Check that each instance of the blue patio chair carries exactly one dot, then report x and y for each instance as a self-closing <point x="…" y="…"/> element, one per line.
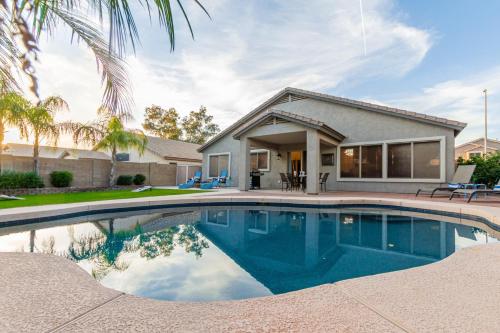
<point x="190" y="183"/>
<point x="223" y="176"/>
<point x="210" y="185"/>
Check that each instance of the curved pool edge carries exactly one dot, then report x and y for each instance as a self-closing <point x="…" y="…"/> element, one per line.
<point x="454" y="294"/>
<point x="489" y="216"/>
<point x="458" y="293"/>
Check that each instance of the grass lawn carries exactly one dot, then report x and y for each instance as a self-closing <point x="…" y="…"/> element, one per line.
<point x="61" y="198"/>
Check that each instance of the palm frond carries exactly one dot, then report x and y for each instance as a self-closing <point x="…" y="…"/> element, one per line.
<point x="117" y="94"/>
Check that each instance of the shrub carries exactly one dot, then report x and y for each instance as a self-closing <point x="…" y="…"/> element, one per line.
<point x="487" y="168"/>
<point x="139" y="179"/>
<point x="61" y="178"/>
<point x="13" y="179"/>
<point x="124" y="180"/>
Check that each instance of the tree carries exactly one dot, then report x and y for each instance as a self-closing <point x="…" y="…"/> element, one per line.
<point x="487" y="168"/>
<point x="12" y="107"/>
<point x="23" y="23"/>
<point x="107" y="133"/>
<point x="198" y="126"/>
<point x="40" y="121"/>
<point x="162" y="122"/>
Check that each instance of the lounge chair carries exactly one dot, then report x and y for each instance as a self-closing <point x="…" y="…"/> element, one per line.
<point x="462" y="177"/>
<point x="190" y="183"/>
<point x="222" y="179"/>
<point x="474" y="192"/>
<point x="210" y="185"/>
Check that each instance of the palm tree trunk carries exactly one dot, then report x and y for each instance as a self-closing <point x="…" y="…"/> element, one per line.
<point x="2" y="137"/>
<point x="113" y="168"/>
<point x="36" y="155"/>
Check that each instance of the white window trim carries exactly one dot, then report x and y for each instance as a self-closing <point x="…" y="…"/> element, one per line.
<point x="207" y="174"/>
<point x="258" y="231"/>
<point x="268" y="157"/>
<point x="218" y="224"/>
<point x="385" y="143"/>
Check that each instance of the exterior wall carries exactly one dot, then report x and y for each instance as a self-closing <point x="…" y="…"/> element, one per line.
<point x="358" y="126"/>
<point x="92" y="172"/>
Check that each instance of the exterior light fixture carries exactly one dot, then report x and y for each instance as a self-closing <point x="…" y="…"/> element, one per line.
<point x="278" y="156"/>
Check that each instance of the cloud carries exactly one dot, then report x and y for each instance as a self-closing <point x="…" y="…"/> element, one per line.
<point x="462" y="100"/>
<point x="250" y="50"/>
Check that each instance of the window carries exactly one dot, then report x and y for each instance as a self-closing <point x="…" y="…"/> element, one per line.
<point x="259" y="222"/>
<point x="418" y="160"/>
<point x="349" y="162"/>
<point x="371" y="161"/>
<point x="217" y="163"/>
<point x="474" y="154"/>
<point x="426" y="160"/>
<point x="218" y="217"/>
<point x="399" y="160"/>
<point x="327" y="159"/>
<point x="123" y="157"/>
<point x="259" y="160"/>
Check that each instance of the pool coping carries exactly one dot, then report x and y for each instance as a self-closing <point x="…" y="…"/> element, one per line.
<point x="368" y="312"/>
<point x="487" y="215"/>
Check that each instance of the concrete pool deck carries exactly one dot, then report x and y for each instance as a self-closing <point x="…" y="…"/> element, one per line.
<point x="460" y="293"/>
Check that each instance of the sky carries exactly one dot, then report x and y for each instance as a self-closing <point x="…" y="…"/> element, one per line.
<point x="433" y="57"/>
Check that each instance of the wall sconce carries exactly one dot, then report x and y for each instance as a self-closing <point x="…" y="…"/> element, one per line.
<point x="278" y="156"/>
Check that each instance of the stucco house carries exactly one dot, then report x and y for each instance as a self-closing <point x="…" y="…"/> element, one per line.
<point x="364" y="147"/>
<point x="476" y="148"/>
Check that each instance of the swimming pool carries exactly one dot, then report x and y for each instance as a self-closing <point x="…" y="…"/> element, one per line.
<point x="226" y="252"/>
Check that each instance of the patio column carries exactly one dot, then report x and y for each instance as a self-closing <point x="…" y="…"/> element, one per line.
<point x="244" y="165"/>
<point x="313" y="161"/>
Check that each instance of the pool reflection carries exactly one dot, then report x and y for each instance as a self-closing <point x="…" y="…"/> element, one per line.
<point x="229" y="253"/>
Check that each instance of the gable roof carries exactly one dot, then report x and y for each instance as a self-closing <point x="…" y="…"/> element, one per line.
<point x="26" y="150"/>
<point x="173" y="149"/>
<point x="292" y="94"/>
<point x="294" y="118"/>
<point x="479" y="142"/>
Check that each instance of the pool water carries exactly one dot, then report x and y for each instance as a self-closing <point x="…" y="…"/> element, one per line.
<point x="221" y="253"/>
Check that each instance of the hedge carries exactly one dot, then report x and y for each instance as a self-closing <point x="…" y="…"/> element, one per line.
<point x="13" y="179"/>
<point x="61" y="178"/>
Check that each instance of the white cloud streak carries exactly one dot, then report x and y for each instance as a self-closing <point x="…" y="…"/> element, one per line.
<point x="249" y="51"/>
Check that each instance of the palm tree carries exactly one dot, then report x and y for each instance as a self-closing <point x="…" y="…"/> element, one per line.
<point x="12" y="108"/>
<point x="41" y="124"/>
<point x="109" y="134"/>
<point x="23" y="22"/>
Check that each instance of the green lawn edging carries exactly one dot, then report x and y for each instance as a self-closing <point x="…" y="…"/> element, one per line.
<point x="75" y="197"/>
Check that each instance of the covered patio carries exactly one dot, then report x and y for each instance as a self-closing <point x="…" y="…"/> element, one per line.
<point x="294" y="145"/>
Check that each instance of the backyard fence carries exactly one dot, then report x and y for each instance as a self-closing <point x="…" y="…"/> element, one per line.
<point x="92" y="172"/>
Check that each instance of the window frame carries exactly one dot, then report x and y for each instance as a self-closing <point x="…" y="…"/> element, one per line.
<point x="385" y="143"/>
<point x="225" y="225"/>
<point x="207" y="175"/>
<point x="257" y="151"/>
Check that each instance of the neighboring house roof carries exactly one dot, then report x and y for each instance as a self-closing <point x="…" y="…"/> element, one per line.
<point x="308" y="122"/>
<point x="174" y="150"/>
<point x="479" y="143"/>
<point x="26" y="150"/>
<point x="292" y="94"/>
